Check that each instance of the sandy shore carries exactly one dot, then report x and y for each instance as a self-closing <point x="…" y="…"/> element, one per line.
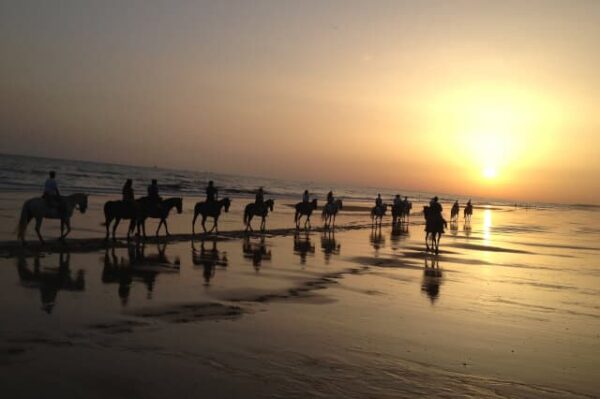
<point x="508" y="309"/>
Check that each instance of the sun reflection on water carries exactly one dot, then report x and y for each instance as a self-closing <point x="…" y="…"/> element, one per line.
<point x="487" y="226"/>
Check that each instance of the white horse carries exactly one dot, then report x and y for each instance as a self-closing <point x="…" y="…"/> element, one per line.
<point x="38" y="209"/>
<point x="329" y="213"/>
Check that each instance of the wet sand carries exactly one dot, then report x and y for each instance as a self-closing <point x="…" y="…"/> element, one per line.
<point x="509" y="308"/>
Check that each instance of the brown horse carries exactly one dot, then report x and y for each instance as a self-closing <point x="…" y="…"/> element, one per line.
<point x="253" y="209"/>
<point x="377" y="214"/>
<point x="212" y="209"/>
<point x="434" y="228"/>
<point x="329" y="213"/>
<point x="156" y="210"/>
<point x="304" y="209"/>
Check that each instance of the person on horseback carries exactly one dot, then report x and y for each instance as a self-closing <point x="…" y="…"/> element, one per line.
<point x="330" y="197"/>
<point x="51" y="193"/>
<point x="260" y="197"/>
<point x="128" y="191"/>
<point x="153" y="191"/>
<point x="305" y="197"/>
<point x="378" y="201"/>
<point x="397" y="201"/>
<point x="211" y="192"/>
<point x="435" y="206"/>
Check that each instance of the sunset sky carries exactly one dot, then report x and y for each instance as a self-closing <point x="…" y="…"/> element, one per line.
<point x="487" y="98"/>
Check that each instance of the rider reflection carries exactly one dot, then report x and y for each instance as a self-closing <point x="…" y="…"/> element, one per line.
<point x="50" y="281"/>
<point x="209" y="259"/>
<point x="432" y="278"/>
<point x="256" y="251"/>
<point x="303" y="246"/>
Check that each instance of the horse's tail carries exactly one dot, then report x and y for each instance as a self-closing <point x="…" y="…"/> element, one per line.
<point x="23" y="221"/>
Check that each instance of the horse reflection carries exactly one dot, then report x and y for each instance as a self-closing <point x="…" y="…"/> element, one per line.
<point x="209" y="259"/>
<point x="377" y="239"/>
<point x="137" y="266"/>
<point x="399" y="232"/>
<point x="432" y="279"/>
<point x="256" y="251"/>
<point x="303" y="246"/>
<point x="50" y="280"/>
<point x="467" y="229"/>
<point x="329" y="245"/>
<point x="454" y="228"/>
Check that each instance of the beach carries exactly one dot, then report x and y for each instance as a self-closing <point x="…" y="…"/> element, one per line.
<point x="509" y="308"/>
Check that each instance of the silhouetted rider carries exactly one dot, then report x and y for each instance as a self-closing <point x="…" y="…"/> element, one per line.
<point x="305" y="196"/>
<point x="51" y="193"/>
<point x="378" y="201"/>
<point x="153" y="192"/>
<point x="435" y="207"/>
<point x="211" y="192"/>
<point x="397" y="200"/>
<point x="260" y="197"/>
<point x="128" y="191"/>
<point x="330" y="197"/>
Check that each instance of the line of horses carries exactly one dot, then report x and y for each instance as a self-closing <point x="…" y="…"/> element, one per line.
<point x="141" y="209"/>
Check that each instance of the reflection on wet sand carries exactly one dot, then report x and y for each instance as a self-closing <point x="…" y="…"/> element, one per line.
<point x="467" y="229"/>
<point x="376" y="238"/>
<point x="50" y="280"/>
<point x="432" y="278"/>
<point x="303" y="246"/>
<point x="329" y="245"/>
<point x="137" y="266"/>
<point x="453" y="228"/>
<point x="256" y="251"/>
<point x="209" y="259"/>
<point x="399" y="232"/>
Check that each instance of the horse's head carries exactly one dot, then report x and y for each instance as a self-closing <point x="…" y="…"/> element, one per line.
<point x="314" y="203"/>
<point x="179" y="204"/>
<point x="338" y="203"/>
<point x="270" y="204"/>
<point x="226" y="204"/>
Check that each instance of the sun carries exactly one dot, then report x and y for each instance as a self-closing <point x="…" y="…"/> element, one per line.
<point x="490" y="172"/>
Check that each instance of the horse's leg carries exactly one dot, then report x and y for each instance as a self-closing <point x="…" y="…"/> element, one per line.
<point x="38" y="225"/>
<point x="204" y="223"/>
<point x="194" y="223"/>
<point x="263" y="224"/>
<point x="62" y="228"/>
<point x="249" y="224"/>
<point x="68" y="224"/>
<point x="166" y="227"/>
<point x="216" y="225"/>
<point x="114" y="230"/>
<point x="427" y="241"/>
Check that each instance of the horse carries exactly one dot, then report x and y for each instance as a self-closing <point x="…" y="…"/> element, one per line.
<point x="329" y="212"/>
<point x="397" y="210"/>
<point x="117" y="210"/>
<point x="406" y="207"/>
<point x="38" y="209"/>
<point x="454" y="212"/>
<point x="377" y="213"/>
<point x="156" y="210"/>
<point x="434" y="228"/>
<point x="468" y="212"/>
<point x="304" y="209"/>
<point x="254" y="209"/>
<point x="212" y="209"/>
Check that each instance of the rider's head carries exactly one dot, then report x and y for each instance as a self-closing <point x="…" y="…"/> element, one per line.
<point x="305" y="191"/>
<point x="210" y="183"/>
<point x="435" y="199"/>
<point x="397" y="195"/>
<point x="129" y="182"/>
<point x="52" y="174"/>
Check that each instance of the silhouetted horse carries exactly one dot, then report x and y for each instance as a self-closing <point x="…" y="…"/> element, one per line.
<point x="252" y="209"/>
<point x="38" y="209"/>
<point x="432" y="279"/>
<point x="434" y="228"/>
<point x="209" y="259"/>
<point x="377" y="214"/>
<point x="454" y="212"/>
<point x="304" y="209"/>
<point x="151" y="209"/>
<point x="117" y="210"/>
<point x="406" y="207"/>
<point x="468" y="212"/>
<point x="256" y="252"/>
<point x="329" y="213"/>
<point x="212" y="209"/>
<point x="329" y="245"/>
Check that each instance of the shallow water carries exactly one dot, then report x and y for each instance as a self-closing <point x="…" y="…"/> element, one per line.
<point x="509" y="308"/>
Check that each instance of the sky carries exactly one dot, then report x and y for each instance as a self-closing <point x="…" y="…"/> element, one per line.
<point x="485" y="98"/>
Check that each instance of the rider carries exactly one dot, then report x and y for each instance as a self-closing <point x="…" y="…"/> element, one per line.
<point x="128" y="191"/>
<point x="397" y="200"/>
<point x="260" y="197"/>
<point x="305" y="197"/>
<point x="51" y="193"/>
<point x="378" y="201"/>
<point x="211" y="192"/>
<point x="330" y="197"/>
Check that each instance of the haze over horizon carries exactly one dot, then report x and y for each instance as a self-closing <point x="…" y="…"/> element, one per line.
<point x="491" y="99"/>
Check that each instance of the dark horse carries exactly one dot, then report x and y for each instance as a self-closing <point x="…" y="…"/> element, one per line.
<point x="254" y="209"/>
<point x="454" y="212"/>
<point x="304" y="209"/>
<point x="155" y="210"/>
<point x="212" y="209"/>
<point x="117" y="210"/>
<point x="377" y="214"/>
<point x="468" y="212"/>
<point x="434" y="228"/>
<point x="329" y="213"/>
